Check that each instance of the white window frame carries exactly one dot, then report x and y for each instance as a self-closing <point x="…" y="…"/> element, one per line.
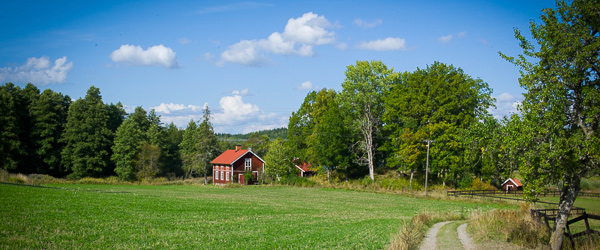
<point x="227" y="176"/>
<point x="217" y="175"/>
<point x="248" y="164"/>
<point x="221" y="175"/>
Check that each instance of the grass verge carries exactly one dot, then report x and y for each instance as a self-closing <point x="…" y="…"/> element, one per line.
<point x="411" y="234"/>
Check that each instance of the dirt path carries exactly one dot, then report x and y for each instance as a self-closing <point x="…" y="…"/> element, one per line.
<point x="429" y="243"/>
<point x="464" y="237"/>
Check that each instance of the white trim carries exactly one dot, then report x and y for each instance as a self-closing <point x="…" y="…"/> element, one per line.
<point x="511" y="180"/>
<point x="245" y="154"/>
<point x="240" y="178"/>
<point x="301" y="170"/>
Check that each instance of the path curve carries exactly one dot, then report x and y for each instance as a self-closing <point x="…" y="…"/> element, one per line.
<point x="464" y="237"/>
<point x="430" y="242"/>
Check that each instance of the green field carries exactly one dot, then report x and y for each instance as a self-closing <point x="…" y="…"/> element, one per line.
<point x="197" y="217"/>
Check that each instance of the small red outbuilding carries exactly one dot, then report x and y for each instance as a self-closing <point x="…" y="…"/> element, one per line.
<point x="512" y="184"/>
<point x="230" y="166"/>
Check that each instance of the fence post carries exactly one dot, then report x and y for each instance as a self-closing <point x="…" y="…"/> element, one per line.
<point x="588" y="231"/>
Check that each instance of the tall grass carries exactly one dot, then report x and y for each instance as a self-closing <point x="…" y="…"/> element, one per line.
<point x="411" y="234"/>
<point x="510" y="226"/>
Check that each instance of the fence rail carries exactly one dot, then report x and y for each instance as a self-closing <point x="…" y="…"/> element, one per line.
<point x="513" y="193"/>
<point x="546" y="215"/>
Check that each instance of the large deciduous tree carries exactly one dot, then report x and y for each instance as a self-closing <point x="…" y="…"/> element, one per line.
<point x="561" y="109"/>
<point x="362" y="99"/>
<point x="434" y="103"/>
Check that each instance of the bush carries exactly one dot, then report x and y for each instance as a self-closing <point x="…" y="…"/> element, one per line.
<point x="297" y="181"/>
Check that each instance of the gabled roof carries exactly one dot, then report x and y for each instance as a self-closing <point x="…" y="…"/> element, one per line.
<point x="303" y="166"/>
<point x="230" y="156"/>
<point x="514" y="181"/>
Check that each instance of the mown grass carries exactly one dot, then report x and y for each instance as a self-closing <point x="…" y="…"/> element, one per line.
<point x="66" y="216"/>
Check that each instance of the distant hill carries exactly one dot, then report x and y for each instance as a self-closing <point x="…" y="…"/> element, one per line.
<point x="271" y="133"/>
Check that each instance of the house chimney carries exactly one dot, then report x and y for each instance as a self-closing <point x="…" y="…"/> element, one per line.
<point x="238" y="147"/>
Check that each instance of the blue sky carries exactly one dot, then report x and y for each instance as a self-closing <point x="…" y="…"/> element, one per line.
<point x="252" y="63"/>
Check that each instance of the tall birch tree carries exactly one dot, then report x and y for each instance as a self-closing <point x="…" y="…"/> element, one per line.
<point x="362" y="101"/>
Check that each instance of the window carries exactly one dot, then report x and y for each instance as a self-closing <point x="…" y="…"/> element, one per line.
<point x="248" y="164"/>
<point x="227" y="176"/>
<point x="217" y="175"/>
<point x="221" y="175"/>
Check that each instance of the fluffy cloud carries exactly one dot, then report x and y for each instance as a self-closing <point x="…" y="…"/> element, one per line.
<point x="39" y="71"/>
<point x="298" y="38"/>
<point x="167" y="108"/>
<point x="365" y="24"/>
<point x="158" y="55"/>
<point x="305" y="86"/>
<point x="233" y="115"/>
<point x="389" y="43"/>
<point x="506" y="104"/>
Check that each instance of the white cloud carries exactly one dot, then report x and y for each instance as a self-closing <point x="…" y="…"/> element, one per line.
<point x="184" y="40"/>
<point x="449" y="38"/>
<point x="506" y="104"/>
<point x="365" y="24"/>
<point x="389" y="43"/>
<point x="446" y="39"/>
<point x="167" y="108"/>
<point x="298" y="38"/>
<point x="243" y="92"/>
<point x="39" y="71"/>
<point x="158" y="55"/>
<point x="305" y="86"/>
<point x="233" y="115"/>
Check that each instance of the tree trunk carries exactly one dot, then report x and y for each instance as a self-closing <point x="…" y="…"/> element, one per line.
<point x="411" y="177"/>
<point x="205" y="178"/>
<point x="567" y="198"/>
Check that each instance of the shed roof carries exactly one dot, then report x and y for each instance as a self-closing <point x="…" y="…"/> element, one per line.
<point x="514" y="181"/>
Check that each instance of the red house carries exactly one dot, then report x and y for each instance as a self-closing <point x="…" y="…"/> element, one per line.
<point x="512" y="184"/>
<point x="230" y="166"/>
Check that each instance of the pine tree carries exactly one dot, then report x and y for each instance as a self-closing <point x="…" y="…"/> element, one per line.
<point x="87" y="137"/>
<point x="49" y="115"/>
<point x="11" y="151"/>
<point x="128" y="140"/>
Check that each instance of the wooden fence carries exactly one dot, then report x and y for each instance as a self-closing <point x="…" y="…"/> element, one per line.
<point x="546" y="215"/>
<point x="513" y="193"/>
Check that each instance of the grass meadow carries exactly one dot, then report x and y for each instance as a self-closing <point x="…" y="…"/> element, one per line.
<point x="80" y="216"/>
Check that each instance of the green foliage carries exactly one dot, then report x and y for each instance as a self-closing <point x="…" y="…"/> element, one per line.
<point x="277" y="161"/>
<point x="271" y="133"/>
<point x="258" y="143"/>
<point x="435" y="103"/>
<point x="362" y="101"/>
<point x="148" y="161"/>
<point x="49" y="113"/>
<point x="87" y="137"/>
<point x="128" y="140"/>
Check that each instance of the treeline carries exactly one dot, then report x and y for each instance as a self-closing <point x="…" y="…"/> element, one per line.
<point x="384" y="120"/>
<point x="271" y="133"/>
<point x="49" y="133"/>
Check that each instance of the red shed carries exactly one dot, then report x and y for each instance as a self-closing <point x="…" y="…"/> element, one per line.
<point x="306" y="169"/>
<point x="512" y="184"/>
<point x="230" y="166"/>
